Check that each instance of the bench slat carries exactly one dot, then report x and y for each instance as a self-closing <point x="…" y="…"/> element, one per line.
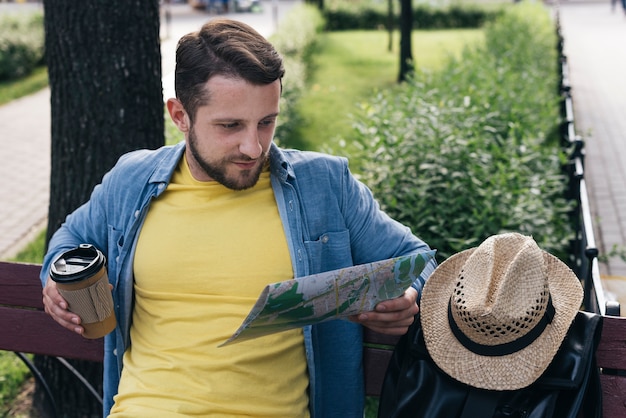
<point x="20" y="285"/>
<point x="33" y="331"/>
<point x="613" y="396"/>
<point x="375" y="362"/>
<point x="612" y="348"/>
<point x="376" y="359"/>
<point x="373" y="337"/>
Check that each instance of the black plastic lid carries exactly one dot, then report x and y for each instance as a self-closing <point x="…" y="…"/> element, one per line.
<point x="77" y="264"/>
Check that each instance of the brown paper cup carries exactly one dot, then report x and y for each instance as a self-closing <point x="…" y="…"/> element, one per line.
<point x="82" y="280"/>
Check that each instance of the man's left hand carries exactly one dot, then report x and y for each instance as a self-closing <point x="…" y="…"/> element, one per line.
<point x="392" y="316"/>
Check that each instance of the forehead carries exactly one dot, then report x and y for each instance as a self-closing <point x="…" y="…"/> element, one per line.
<point x="238" y="98"/>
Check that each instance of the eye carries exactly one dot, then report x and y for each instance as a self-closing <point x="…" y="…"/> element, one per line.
<point x="231" y="125"/>
<point x="267" y="122"/>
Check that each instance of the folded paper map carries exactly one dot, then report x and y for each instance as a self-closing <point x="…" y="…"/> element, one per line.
<point x="330" y="295"/>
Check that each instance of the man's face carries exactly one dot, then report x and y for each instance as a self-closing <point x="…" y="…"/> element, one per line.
<point x="230" y="139"/>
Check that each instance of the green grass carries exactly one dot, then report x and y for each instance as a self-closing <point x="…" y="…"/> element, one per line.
<point x="14" y="89"/>
<point x="351" y="66"/>
<point x="13" y="376"/>
<point x="34" y="250"/>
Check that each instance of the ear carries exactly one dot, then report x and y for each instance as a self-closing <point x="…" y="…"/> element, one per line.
<point x="178" y="114"/>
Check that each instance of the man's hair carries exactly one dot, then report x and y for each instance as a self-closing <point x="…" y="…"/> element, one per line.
<point x="222" y="47"/>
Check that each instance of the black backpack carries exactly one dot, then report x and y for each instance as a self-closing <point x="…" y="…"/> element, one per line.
<point x="415" y="387"/>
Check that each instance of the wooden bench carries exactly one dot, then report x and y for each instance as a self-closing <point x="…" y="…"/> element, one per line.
<point x="26" y="328"/>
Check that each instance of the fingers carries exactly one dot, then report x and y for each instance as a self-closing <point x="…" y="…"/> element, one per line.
<point x="388" y="323"/>
<point x="406" y="301"/>
<point x="393" y="316"/>
<point x="385" y="327"/>
<point x="56" y="307"/>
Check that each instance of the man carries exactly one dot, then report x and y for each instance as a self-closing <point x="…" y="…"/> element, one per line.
<point x="193" y="232"/>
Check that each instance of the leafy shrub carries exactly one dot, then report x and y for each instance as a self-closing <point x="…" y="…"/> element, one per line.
<point x="295" y="41"/>
<point x="367" y="15"/>
<point x="468" y="152"/>
<point x="21" y="44"/>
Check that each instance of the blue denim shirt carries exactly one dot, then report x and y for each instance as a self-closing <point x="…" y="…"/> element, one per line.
<point x="330" y="219"/>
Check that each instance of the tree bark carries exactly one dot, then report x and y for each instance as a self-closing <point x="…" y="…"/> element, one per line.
<point x="104" y="68"/>
<point x="406" y="28"/>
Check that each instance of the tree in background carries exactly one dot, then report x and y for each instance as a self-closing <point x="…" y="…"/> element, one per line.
<point x="104" y="67"/>
<point x="406" y="28"/>
<point x="390" y="24"/>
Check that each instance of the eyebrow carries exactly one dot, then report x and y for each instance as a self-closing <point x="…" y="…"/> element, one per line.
<point x="225" y="119"/>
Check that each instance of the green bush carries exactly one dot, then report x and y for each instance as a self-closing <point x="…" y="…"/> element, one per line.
<point x="21" y="44"/>
<point x="367" y="15"/>
<point x="468" y="152"/>
<point x="455" y="16"/>
<point x="295" y="41"/>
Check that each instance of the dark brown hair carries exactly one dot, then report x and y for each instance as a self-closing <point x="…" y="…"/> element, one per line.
<point x="225" y="47"/>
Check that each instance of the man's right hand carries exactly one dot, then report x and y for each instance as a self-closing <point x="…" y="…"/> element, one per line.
<point x="56" y="307"/>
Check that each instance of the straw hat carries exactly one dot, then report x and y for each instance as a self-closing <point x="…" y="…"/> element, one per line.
<point x="494" y="316"/>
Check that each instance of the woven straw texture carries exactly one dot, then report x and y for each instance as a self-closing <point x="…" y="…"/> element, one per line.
<point x="497" y="293"/>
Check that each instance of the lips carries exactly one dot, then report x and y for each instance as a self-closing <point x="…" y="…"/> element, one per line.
<point x="245" y="165"/>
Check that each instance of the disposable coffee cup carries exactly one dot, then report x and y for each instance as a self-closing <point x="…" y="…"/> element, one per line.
<point x="81" y="278"/>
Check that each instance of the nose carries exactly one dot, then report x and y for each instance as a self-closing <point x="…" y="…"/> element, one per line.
<point x="250" y="145"/>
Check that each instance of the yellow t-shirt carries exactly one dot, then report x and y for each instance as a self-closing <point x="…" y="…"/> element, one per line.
<point x="204" y="254"/>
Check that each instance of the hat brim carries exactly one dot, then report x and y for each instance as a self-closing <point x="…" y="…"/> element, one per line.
<point x="508" y="372"/>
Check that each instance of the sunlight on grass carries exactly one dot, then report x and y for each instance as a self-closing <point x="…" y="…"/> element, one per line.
<point x="14" y="89"/>
<point x="33" y="252"/>
<point x="14" y="372"/>
<point x="351" y="66"/>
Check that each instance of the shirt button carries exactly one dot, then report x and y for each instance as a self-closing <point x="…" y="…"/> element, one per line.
<point x="325" y="239"/>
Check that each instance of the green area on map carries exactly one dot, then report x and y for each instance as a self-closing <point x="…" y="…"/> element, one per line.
<point x="330" y="295"/>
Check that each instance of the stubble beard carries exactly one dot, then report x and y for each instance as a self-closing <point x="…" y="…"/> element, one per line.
<point x="217" y="171"/>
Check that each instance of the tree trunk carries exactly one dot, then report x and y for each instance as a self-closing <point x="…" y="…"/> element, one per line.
<point x="406" y="28"/>
<point x="390" y="24"/>
<point x="104" y="67"/>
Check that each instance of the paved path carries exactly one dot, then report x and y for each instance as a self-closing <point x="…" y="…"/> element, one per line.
<point x="24" y="170"/>
<point x="594" y="44"/>
<point x="25" y="125"/>
<point x="594" y="37"/>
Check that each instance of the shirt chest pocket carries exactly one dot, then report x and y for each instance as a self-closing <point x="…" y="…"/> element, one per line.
<point x="330" y="251"/>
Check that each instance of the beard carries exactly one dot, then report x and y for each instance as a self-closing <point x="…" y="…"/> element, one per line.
<point x="217" y="170"/>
